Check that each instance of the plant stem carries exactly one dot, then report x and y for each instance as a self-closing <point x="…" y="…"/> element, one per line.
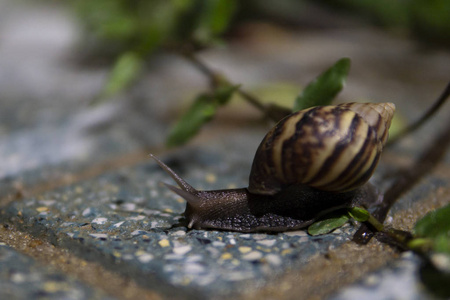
<point x="272" y="111"/>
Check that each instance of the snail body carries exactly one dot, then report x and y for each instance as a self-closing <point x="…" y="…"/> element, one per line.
<point x="312" y="162"/>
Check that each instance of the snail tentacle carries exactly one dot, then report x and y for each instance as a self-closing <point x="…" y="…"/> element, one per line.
<point x="180" y="181"/>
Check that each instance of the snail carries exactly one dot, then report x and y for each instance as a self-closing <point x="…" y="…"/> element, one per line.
<point x="310" y="163"/>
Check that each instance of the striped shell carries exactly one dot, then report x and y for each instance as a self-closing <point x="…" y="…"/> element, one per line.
<point x="332" y="148"/>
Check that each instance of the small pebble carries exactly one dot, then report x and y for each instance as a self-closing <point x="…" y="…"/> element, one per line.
<point x="244" y="249"/>
<point x="144" y="257"/>
<point x="286" y="251"/>
<point x="117" y="225"/>
<point x="99" y="235"/>
<point x="137" y="218"/>
<point x="273" y="259"/>
<point x="254" y="255"/>
<point x="182" y="250"/>
<point x="179" y="233"/>
<point x="259" y="236"/>
<point x="164" y="243"/>
<point x="226" y="256"/>
<point x="86" y="212"/>
<point x="218" y="244"/>
<point x="99" y="221"/>
<point x="138" y="232"/>
<point x="267" y="243"/>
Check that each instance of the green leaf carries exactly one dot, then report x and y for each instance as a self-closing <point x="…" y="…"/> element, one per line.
<point x="126" y="69"/>
<point x="359" y="214"/>
<point x="324" y="88"/>
<point x="434" y="223"/>
<point x="442" y="243"/>
<point x="202" y="110"/>
<point x="327" y="225"/>
<point x="436" y="226"/>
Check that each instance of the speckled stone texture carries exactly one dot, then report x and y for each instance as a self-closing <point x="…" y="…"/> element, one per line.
<point x="79" y="179"/>
<point x="23" y="278"/>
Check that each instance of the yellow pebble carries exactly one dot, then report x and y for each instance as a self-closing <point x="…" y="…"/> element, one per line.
<point x="164" y="243"/>
<point x="226" y="256"/>
<point x="286" y="251"/>
<point x="53" y="286"/>
<point x="140" y="252"/>
<point x="235" y="262"/>
<point x="78" y="190"/>
<point x="168" y="210"/>
<point x="42" y="209"/>
<point x="245" y="249"/>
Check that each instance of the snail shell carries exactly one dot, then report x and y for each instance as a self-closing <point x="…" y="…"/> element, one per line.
<point x="332" y="148"/>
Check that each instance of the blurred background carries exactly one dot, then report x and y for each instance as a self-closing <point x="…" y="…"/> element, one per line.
<point x="83" y="81"/>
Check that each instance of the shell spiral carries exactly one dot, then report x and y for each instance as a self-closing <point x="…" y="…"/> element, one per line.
<point x="332" y="148"/>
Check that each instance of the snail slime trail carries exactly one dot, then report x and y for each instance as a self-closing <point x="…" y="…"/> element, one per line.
<point x="310" y="163"/>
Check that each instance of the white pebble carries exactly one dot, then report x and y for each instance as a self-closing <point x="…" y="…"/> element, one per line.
<point x="145" y="258"/>
<point x="137" y="218"/>
<point x="254" y="255"/>
<point x="267" y="243"/>
<point x="182" y="250"/>
<point x="259" y="236"/>
<point x="138" y="232"/>
<point x="86" y="212"/>
<point x="117" y="225"/>
<point x="99" y="235"/>
<point x="218" y="244"/>
<point x="179" y="233"/>
<point x="273" y="259"/>
<point x="99" y="221"/>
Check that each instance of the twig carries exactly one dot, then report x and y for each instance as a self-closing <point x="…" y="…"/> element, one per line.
<point x="414" y="126"/>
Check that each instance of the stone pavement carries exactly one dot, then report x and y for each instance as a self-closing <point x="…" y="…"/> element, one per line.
<point x="84" y="215"/>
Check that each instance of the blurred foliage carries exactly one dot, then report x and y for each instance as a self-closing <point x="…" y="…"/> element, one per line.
<point x="142" y="26"/>
<point x="132" y="30"/>
<point x="428" y="20"/>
